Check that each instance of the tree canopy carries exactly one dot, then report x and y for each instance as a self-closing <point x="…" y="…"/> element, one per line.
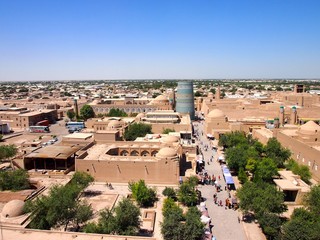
<point x="71" y="114"/>
<point x="7" y="151"/>
<point x="116" y="112"/>
<point x="61" y="206"/>
<point x="275" y="151"/>
<point x="86" y="112"/>
<point x="137" y="130"/>
<point x="260" y="198"/>
<point x="144" y="196"/>
<point x="122" y="220"/>
<point x="14" y="180"/>
<point x="302" y="170"/>
<point x="187" y="193"/>
<point x="167" y="130"/>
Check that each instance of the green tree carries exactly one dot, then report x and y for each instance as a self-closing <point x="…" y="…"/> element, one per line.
<point x="242" y="176"/>
<point x="312" y="200"/>
<point x="261" y="198"/>
<point x="193" y="228"/>
<point x="275" y="151"/>
<point x="86" y="112"/>
<point x="116" y="112"/>
<point x="301" y="170"/>
<point x="172" y="227"/>
<point x="127" y="219"/>
<point x="7" y="151"/>
<point x="71" y="114"/>
<point x="237" y="157"/>
<point x="167" y="130"/>
<point x="169" y="207"/>
<point x="1" y="136"/>
<point x="137" y="130"/>
<point x="144" y="196"/>
<point x="271" y="224"/>
<point x="123" y="220"/>
<point x="302" y="225"/>
<point x="266" y="170"/>
<point x="169" y="192"/>
<point x="14" y="180"/>
<point x="187" y="194"/>
<point x="61" y="206"/>
<point x="81" y="179"/>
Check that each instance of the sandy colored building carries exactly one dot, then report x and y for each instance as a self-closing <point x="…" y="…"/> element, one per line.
<point x="159" y="159"/>
<point x="132" y="104"/>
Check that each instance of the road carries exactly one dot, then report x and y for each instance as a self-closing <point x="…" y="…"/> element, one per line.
<point x="225" y="221"/>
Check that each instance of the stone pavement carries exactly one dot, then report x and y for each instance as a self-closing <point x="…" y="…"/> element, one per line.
<point x="226" y="225"/>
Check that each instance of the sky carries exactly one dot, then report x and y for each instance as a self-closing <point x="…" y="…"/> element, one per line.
<point x="164" y="39"/>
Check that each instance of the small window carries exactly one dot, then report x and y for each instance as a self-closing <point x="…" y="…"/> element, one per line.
<point x="316" y="167"/>
<point x="309" y="164"/>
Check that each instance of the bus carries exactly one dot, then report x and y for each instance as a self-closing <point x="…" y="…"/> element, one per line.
<point x="75" y="125"/>
<point x="39" y="129"/>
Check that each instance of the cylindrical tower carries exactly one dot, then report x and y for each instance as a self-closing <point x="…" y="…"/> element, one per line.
<point x="185" y="98"/>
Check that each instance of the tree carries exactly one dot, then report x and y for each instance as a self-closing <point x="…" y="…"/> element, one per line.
<point x="275" y="151"/>
<point x="7" y="151"/>
<point x="71" y="114"/>
<point x="312" y="200"/>
<point x="116" y="112"/>
<point x="61" y="206"/>
<point x="81" y="179"/>
<point x="172" y="226"/>
<point x="167" y="130"/>
<point x="86" y="112"/>
<point x="127" y="219"/>
<point x="301" y="170"/>
<point x="187" y="194"/>
<point x="14" y="180"/>
<point x="169" y="207"/>
<point x="170" y="193"/>
<point x="261" y="198"/>
<point x="137" y="130"/>
<point x="123" y="220"/>
<point x="193" y="228"/>
<point x="302" y="225"/>
<point x="238" y="156"/>
<point x="144" y="196"/>
<point x="1" y="136"/>
<point x="266" y="170"/>
<point x="242" y="176"/>
<point x="271" y="224"/>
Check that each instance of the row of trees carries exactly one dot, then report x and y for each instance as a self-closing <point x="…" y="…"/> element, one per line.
<point x="61" y="206"/>
<point x="246" y="155"/>
<point x="260" y="196"/>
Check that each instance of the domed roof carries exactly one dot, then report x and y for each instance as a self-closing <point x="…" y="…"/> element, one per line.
<point x="14" y="208"/>
<point x="161" y="98"/>
<point x="167" y="152"/>
<point x="216" y="113"/>
<point x="170" y="139"/>
<point x="115" y="124"/>
<point x="309" y="128"/>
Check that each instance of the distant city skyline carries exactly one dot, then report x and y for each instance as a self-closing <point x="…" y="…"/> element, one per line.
<point x="124" y="39"/>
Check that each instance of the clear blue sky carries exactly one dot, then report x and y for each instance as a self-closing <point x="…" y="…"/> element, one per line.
<point x="135" y="39"/>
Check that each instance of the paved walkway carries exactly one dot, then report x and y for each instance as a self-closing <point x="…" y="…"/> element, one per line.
<point x="225" y="221"/>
